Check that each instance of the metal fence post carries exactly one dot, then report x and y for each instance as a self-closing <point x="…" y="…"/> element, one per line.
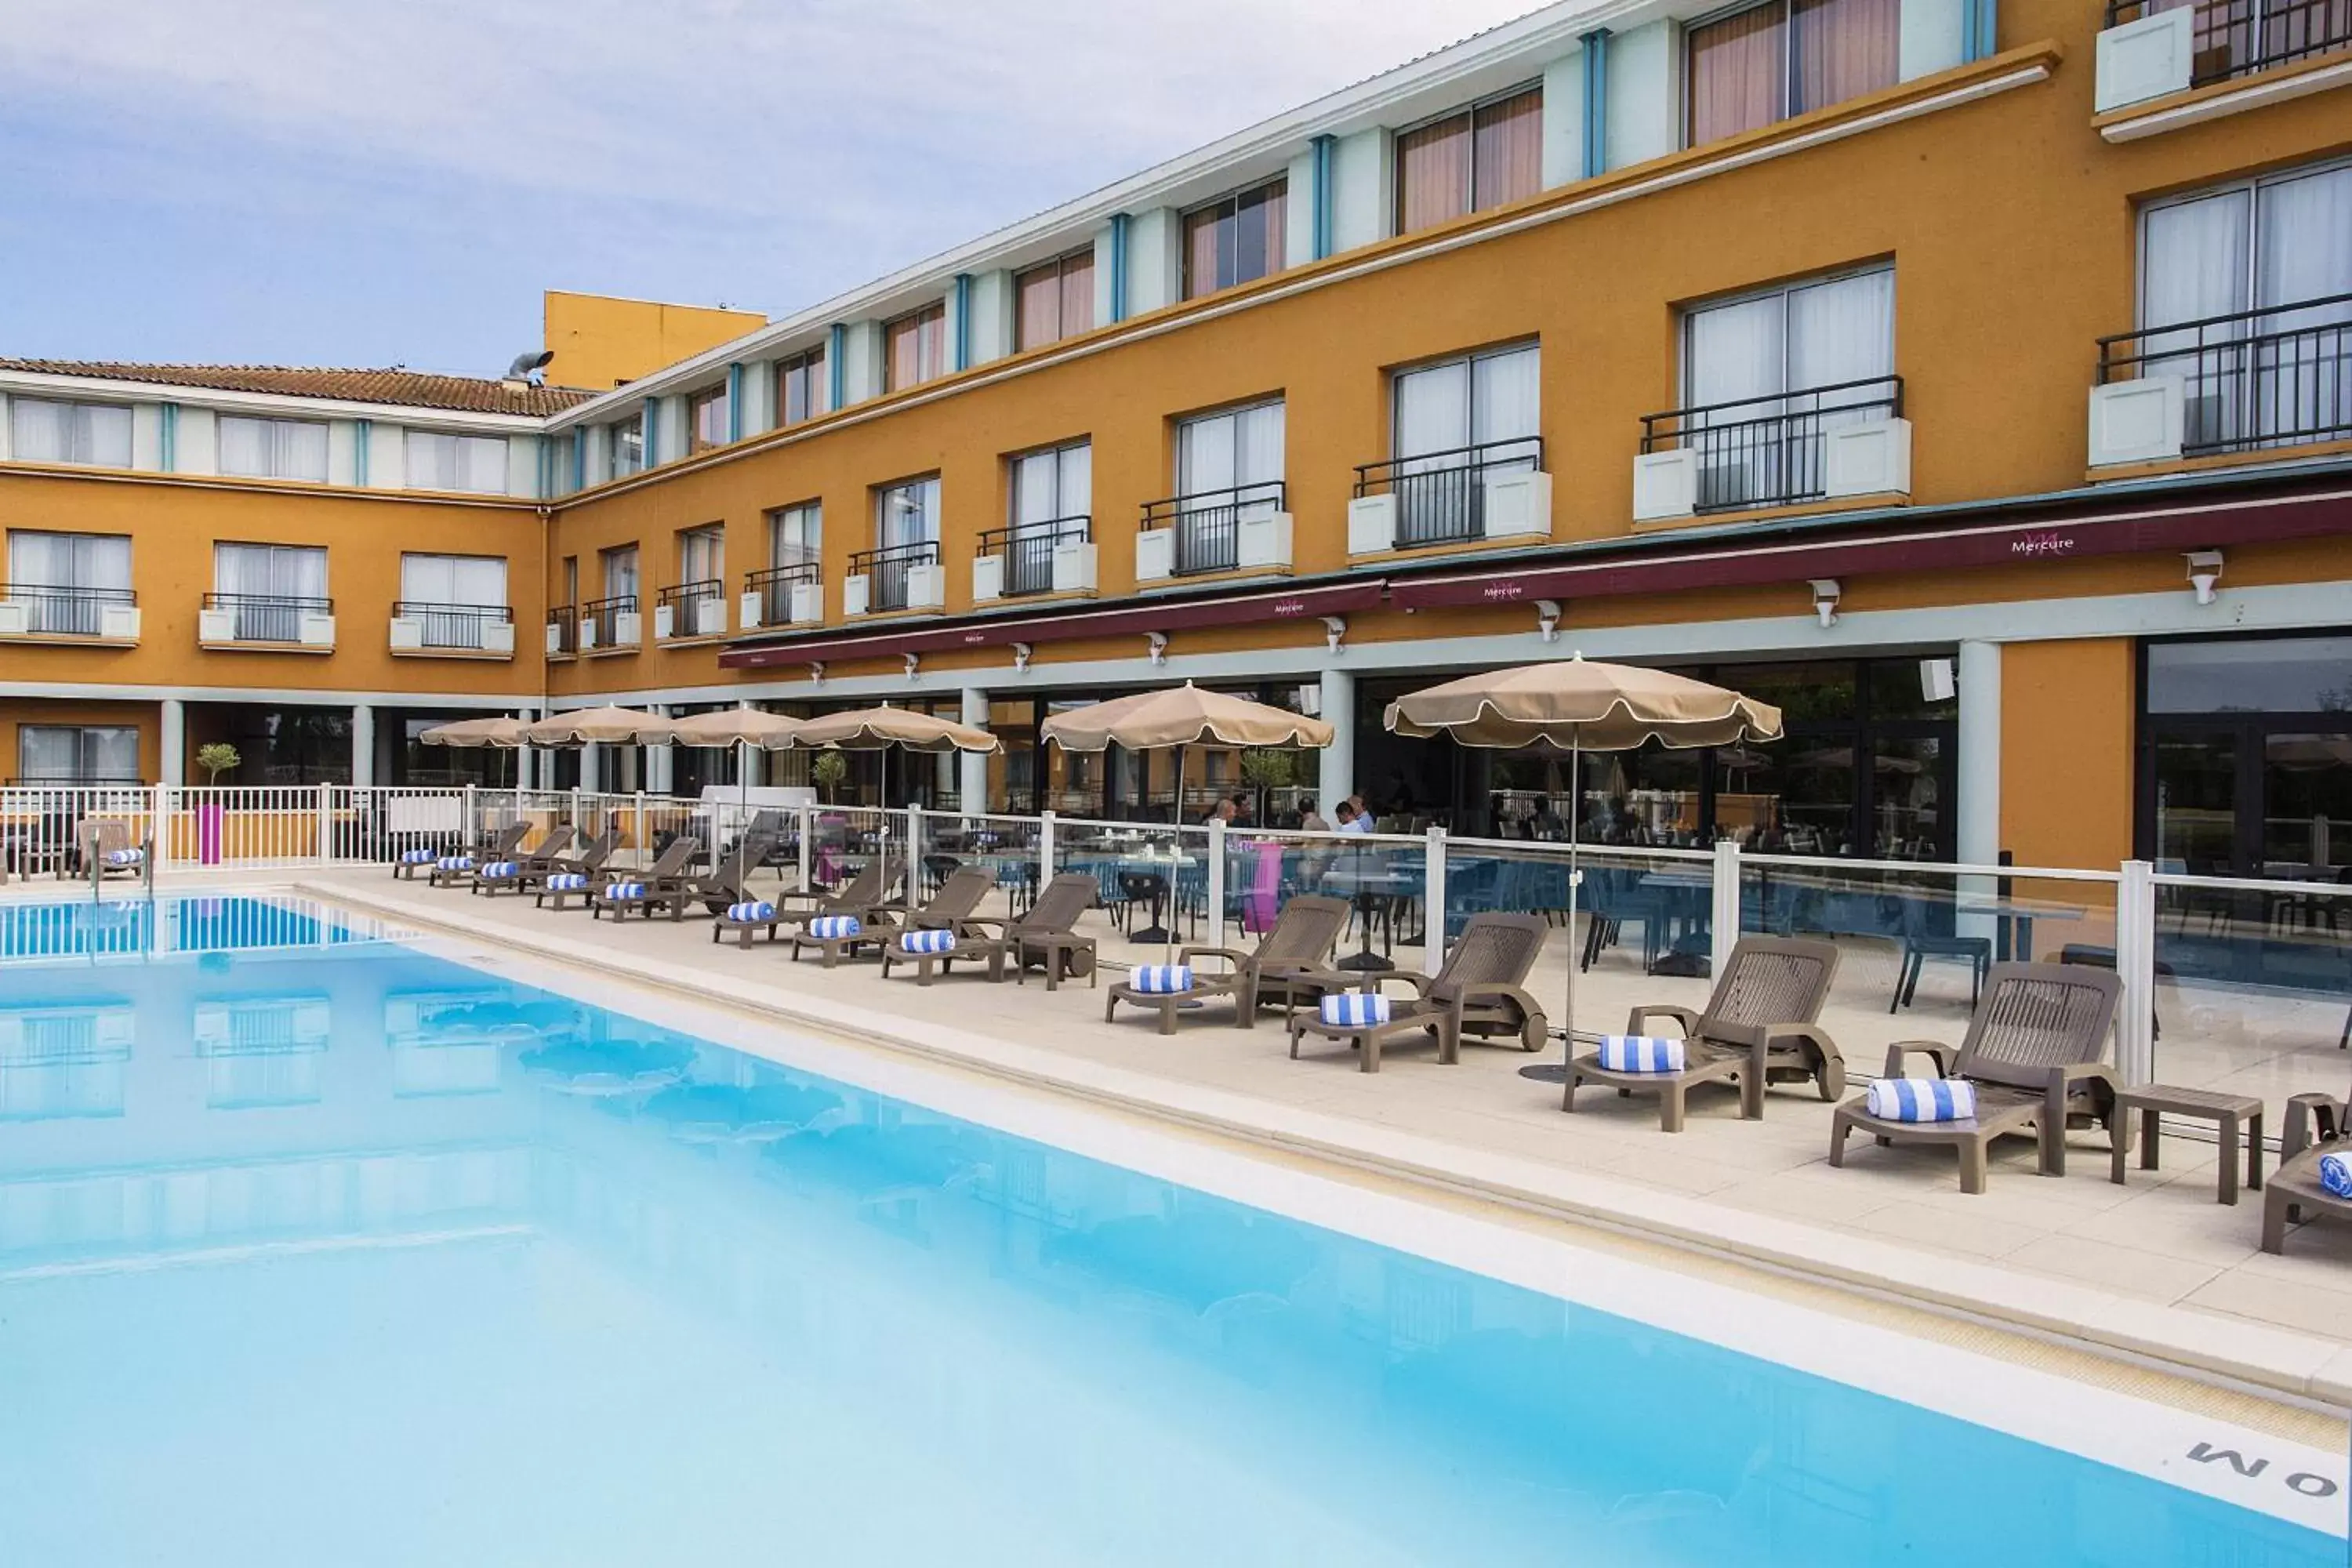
<point x="1044" y="849"/>
<point x="1724" y="929"/>
<point x="469" y="831"/>
<point x="160" y="818"/>
<point x="914" y="853"/>
<point x="1432" y="903"/>
<point x="1216" y="881"/>
<point x="2136" y="967"/>
<point x="579" y="823"/>
<point x="326" y="817"/>
<point x="807" y="831"/>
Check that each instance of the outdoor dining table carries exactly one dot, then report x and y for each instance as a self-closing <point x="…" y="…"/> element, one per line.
<point x="1161" y="868"/>
<point x="1365" y="888"/>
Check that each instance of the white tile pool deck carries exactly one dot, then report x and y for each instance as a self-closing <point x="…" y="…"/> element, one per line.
<point x="2155" y="1269"/>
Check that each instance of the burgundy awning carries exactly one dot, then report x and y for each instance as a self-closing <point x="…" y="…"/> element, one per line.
<point x="1129" y="618"/>
<point x="1734" y="563"/>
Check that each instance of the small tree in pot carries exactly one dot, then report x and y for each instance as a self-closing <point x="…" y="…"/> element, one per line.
<point x="218" y="758"/>
<point x="827" y="772"/>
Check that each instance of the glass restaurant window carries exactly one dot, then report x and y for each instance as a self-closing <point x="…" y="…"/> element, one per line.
<point x="2257" y="279"/>
<point x="434" y="461"/>
<point x="1763" y="63"/>
<point x="707" y="419"/>
<point x="1054" y="301"/>
<point x="1237" y="239"/>
<point x="915" y="348"/>
<point x="1764" y="376"/>
<point x="40" y="431"/>
<point x="1454" y="423"/>
<point x="273" y="448"/>
<point x="801" y="387"/>
<point x="1481" y="157"/>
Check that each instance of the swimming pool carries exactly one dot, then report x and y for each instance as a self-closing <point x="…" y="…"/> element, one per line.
<point x="321" y="1249"/>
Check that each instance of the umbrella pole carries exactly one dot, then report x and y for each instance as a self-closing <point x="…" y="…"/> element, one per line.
<point x="1575" y="812"/>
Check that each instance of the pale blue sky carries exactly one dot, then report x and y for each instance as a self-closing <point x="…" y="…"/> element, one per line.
<point x="321" y="182"/>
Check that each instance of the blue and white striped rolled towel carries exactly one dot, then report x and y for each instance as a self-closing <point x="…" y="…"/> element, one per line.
<point x="125" y="857"/>
<point x="834" y="926"/>
<point x="1354" y="1009"/>
<point x="754" y="911"/>
<point x="1162" y="979"/>
<point x="939" y="941"/>
<point x="567" y="882"/>
<point x="2336" y="1174"/>
<point x="1922" y="1099"/>
<point x="455" y="863"/>
<point x="417" y="856"/>
<point x="500" y="869"/>
<point x="1641" y="1053"/>
<point x="624" y="892"/>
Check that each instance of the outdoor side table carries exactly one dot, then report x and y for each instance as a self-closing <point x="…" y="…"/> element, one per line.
<point x="2238" y="1116"/>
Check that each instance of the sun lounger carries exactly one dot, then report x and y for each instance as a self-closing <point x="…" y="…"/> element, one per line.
<point x="954" y="908"/>
<point x="1044" y="935"/>
<point x="1479" y="991"/>
<point x="577" y="876"/>
<point x="2316" y="1126"/>
<point x="2035" y="1052"/>
<point x="1288" y="966"/>
<point x="1762" y="1025"/>
<point x="722" y="887"/>
<point x="521" y="873"/>
<point x="108" y="849"/>
<point x="458" y="870"/>
<point x="662" y="885"/>
<point x="866" y="895"/>
<point x="938" y="949"/>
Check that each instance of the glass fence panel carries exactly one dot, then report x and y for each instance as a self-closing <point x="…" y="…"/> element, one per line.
<point x="1005" y="848"/>
<point x="1153" y="882"/>
<point x="2254" y="986"/>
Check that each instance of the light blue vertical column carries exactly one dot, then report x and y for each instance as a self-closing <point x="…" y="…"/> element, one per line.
<point x="836" y="367"/>
<point x="1119" y="226"/>
<point x="363" y="436"/>
<point x="580" y="456"/>
<point x="735" y="402"/>
<point x="1325" y="152"/>
<point x="1980" y="29"/>
<point x="1596" y="101"/>
<point x="649" y="425"/>
<point x="961" y="347"/>
<point x="168" y="438"/>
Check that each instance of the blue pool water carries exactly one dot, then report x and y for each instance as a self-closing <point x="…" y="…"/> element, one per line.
<point x="318" y="1251"/>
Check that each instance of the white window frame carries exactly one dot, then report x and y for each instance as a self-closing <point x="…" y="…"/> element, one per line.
<point x="276" y="440"/>
<point x="81" y="420"/>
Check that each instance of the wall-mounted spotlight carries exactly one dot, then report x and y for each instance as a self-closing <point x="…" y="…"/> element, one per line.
<point x="1335" y="630"/>
<point x="816" y="672"/>
<point x="1548" y="620"/>
<point x="2204" y="572"/>
<point x="1156" y="643"/>
<point x="914" y="665"/>
<point x="1021" y="652"/>
<point x="1825" y="601"/>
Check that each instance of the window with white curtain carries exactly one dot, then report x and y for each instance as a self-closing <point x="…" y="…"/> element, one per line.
<point x="1229" y="465"/>
<point x="1452" y="424"/>
<point x="77" y="753"/>
<point x="453" y="598"/>
<point x="907" y="512"/>
<point x="1051" y="496"/>
<point x="796" y="535"/>
<point x="44" y="431"/>
<point x="273" y="448"/>
<point x="702" y="554"/>
<point x="1765" y="376"/>
<point x="620" y="571"/>
<point x="267" y="588"/>
<point x="438" y="460"/>
<point x="2255" y="280"/>
<point x="628" y="439"/>
<point x="64" y="581"/>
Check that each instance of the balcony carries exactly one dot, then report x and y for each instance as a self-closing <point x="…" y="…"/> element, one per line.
<point x="611" y="625"/>
<point x="284" y="622"/>
<point x="38" y="611"/>
<point x="2149" y="50"/>
<point x="894" y="578"/>
<point x="691" y="611"/>
<point x="453" y="631"/>
<point x="790" y="596"/>
<point x="2254" y="380"/>
<point x="1822" y="442"/>
<point x="1050" y="557"/>
<point x="1494" y="490"/>
<point x="563" y="631"/>
<point x="1245" y="529"/>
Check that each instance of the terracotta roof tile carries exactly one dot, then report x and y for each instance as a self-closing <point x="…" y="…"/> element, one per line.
<point x="403" y="388"/>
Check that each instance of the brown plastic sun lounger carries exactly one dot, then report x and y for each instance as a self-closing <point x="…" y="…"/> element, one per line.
<point x="523" y="872"/>
<point x="1480" y="991"/>
<point x="500" y="845"/>
<point x="949" y="909"/>
<point x="2316" y="1125"/>
<point x="1045" y="936"/>
<point x="1762" y="1025"/>
<point x="866" y="895"/>
<point x="587" y="865"/>
<point x="664" y="884"/>
<point x="2035" y="1052"/>
<point x="1291" y="966"/>
<point x="954" y="909"/>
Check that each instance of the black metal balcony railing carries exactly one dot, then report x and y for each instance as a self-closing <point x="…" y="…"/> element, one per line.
<point x="1768" y="451"/>
<point x="564" y="619"/>
<point x="453" y="625"/>
<point x="2253" y="379"/>
<point x="1027" y="551"/>
<point x="1442" y="496"/>
<point x="1208" y="523"/>
<point x="696" y="609"/>
<point x="267" y="618"/>
<point x="2237" y="37"/>
<point x="603" y="617"/>
<point x="58" y="610"/>
<point x="885" y="570"/>
<point x="776" y="587"/>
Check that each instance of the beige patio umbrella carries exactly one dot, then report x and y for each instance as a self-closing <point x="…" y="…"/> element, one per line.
<point x="599" y="726"/>
<point x="737" y="727"/>
<point x="1584" y="705"/>
<point x="498" y="731"/>
<point x="887" y="728"/>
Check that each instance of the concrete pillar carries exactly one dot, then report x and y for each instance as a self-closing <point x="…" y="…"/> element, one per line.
<point x="1977" y="811"/>
<point x="659" y="758"/>
<point x="750" y="762"/>
<point x="972" y="788"/>
<point x="363" y="746"/>
<point x="592" y="768"/>
<point x="1336" y="775"/>
<point x="526" y="757"/>
<point x="171" y="742"/>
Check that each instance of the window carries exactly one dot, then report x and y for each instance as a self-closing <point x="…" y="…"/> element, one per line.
<point x="2257" y="279"/>
<point x="273" y="448"/>
<point x="1050" y="495"/>
<point x="702" y="554"/>
<point x="1228" y="466"/>
<point x="915" y="348"/>
<point x="268" y="589"/>
<point x="628" y="437"/>
<point x="1786" y="56"/>
<point x="907" y="513"/>
<point x="1764" y="376"/>
<point x="707" y="419"/>
<point x="1452" y="424"/>
<point x="71" y="754"/>
<point x="65" y="581"/>
<point x="455" y="599"/>
<point x="601" y="617"/>
<point x="1485" y="156"/>
<point x="1054" y="301"/>
<point x="43" y="432"/>
<point x="620" y="569"/>
<point x="1235" y="240"/>
<point x="801" y="388"/>
<point x="796" y="535"/>
<point x="439" y="461"/>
